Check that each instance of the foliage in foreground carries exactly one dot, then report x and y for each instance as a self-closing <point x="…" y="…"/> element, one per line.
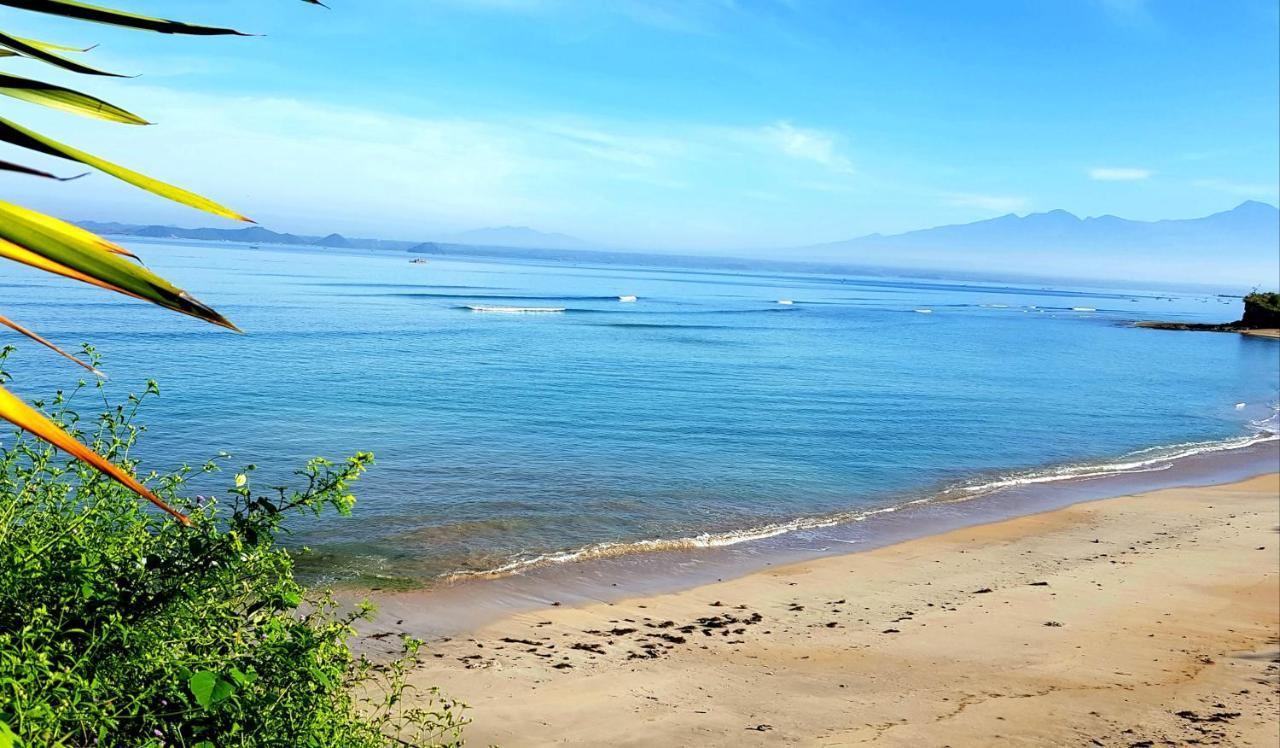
<point x="121" y="627"/>
<point x="55" y="246"/>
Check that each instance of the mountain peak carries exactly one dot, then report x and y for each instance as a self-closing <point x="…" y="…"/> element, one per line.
<point x="1057" y="214"/>
<point x="1255" y="206"/>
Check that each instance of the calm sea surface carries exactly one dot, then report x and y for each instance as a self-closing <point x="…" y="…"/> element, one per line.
<point x="704" y="411"/>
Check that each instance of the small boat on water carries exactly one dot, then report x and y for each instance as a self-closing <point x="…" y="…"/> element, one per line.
<point x="515" y="309"/>
<point x="786" y="302"/>
<point x="417" y="261"/>
<point x="627" y="298"/>
<point x="924" y="311"/>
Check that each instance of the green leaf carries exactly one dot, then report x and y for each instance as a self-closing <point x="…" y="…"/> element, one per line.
<point x="51" y="46"/>
<point x="55" y="246"/>
<point x="7" y="738"/>
<point x="66" y="99"/>
<point x="21" y="136"/>
<point x="87" y="12"/>
<point x="209" y="689"/>
<point x="44" y="55"/>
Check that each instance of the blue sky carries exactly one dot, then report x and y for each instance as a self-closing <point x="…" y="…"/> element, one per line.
<point x="710" y="125"/>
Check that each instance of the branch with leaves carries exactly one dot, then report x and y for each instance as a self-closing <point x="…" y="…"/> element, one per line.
<point x="55" y="246"/>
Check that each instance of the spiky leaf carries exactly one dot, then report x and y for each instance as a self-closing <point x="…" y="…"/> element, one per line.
<point x="21" y="136"/>
<point x="33" y="421"/>
<point x="66" y="99"/>
<point x="42" y="341"/>
<point x="44" y="55"/>
<point x="58" y="247"/>
<point x="98" y="14"/>
<point x="19" y="168"/>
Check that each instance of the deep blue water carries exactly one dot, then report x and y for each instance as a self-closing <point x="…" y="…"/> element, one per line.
<point x="704" y="407"/>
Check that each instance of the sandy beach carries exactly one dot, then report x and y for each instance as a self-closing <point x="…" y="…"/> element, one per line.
<point x="1135" y="621"/>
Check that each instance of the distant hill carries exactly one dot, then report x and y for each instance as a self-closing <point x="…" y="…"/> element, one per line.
<point x="1238" y="247"/>
<point x="250" y="235"/>
<point x="515" y="236"/>
<point x="1241" y="245"/>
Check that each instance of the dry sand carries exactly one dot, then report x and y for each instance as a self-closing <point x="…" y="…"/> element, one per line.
<point x="1144" y="620"/>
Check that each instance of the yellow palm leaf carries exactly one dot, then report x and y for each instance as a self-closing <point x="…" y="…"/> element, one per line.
<point x="31" y="420"/>
<point x="66" y="99"/>
<point x="56" y="246"/>
<point x="21" y="136"/>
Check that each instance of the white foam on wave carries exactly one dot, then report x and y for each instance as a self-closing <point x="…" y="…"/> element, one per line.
<point x="515" y="309"/>
<point x="1152" y="459"/>
<point x="703" y="540"/>
<point x="1149" y="460"/>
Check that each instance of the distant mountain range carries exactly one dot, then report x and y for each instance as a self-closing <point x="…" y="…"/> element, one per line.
<point x="1238" y="245"/>
<point x="250" y="235"/>
<point x="504" y="236"/>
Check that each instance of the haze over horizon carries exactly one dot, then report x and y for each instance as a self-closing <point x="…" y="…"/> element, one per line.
<point x="711" y="126"/>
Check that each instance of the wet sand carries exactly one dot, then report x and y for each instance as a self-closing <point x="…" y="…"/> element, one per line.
<point x="1143" y="620"/>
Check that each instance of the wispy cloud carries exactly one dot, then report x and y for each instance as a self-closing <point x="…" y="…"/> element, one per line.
<point x="1119" y="174"/>
<point x="994" y="203"/>
<point x="807" y="144"/>
<point x="306" y="166"/>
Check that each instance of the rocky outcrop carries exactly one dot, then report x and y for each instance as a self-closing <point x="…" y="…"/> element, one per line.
<point x="1261" y="312"/>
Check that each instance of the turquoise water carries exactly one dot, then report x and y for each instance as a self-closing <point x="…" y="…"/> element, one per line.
<point x="705" y="408"/>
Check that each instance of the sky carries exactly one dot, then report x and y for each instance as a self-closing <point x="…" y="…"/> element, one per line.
<point x="691" y="125"/>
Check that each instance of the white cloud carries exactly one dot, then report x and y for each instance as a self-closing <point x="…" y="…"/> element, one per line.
<point x="311" y="167"/>
<point x="994" y="203"/>
<point x="808" y="145"/>
<point x="1119" y="174"/>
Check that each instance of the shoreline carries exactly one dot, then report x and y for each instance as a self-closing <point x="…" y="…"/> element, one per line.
<point x="1257" y="332"/>
<point x="1143" y="617"/>
<point x="470" y="601"/>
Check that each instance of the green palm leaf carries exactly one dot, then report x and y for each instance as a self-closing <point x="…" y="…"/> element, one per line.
<point x="33" y="51"/>
<point x="21" y="136"/>
<point x="87" y="12"/>
<point x="58" y="247"/>
<point x="66" y="99"/>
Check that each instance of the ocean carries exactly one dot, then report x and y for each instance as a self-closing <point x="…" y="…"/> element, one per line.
<point x="706" y="412"/>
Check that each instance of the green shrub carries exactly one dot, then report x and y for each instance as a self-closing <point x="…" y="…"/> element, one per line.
<point x="1268" y="300"/>
<point x="1261" y="309"/>
<point x="120" y="627"/>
